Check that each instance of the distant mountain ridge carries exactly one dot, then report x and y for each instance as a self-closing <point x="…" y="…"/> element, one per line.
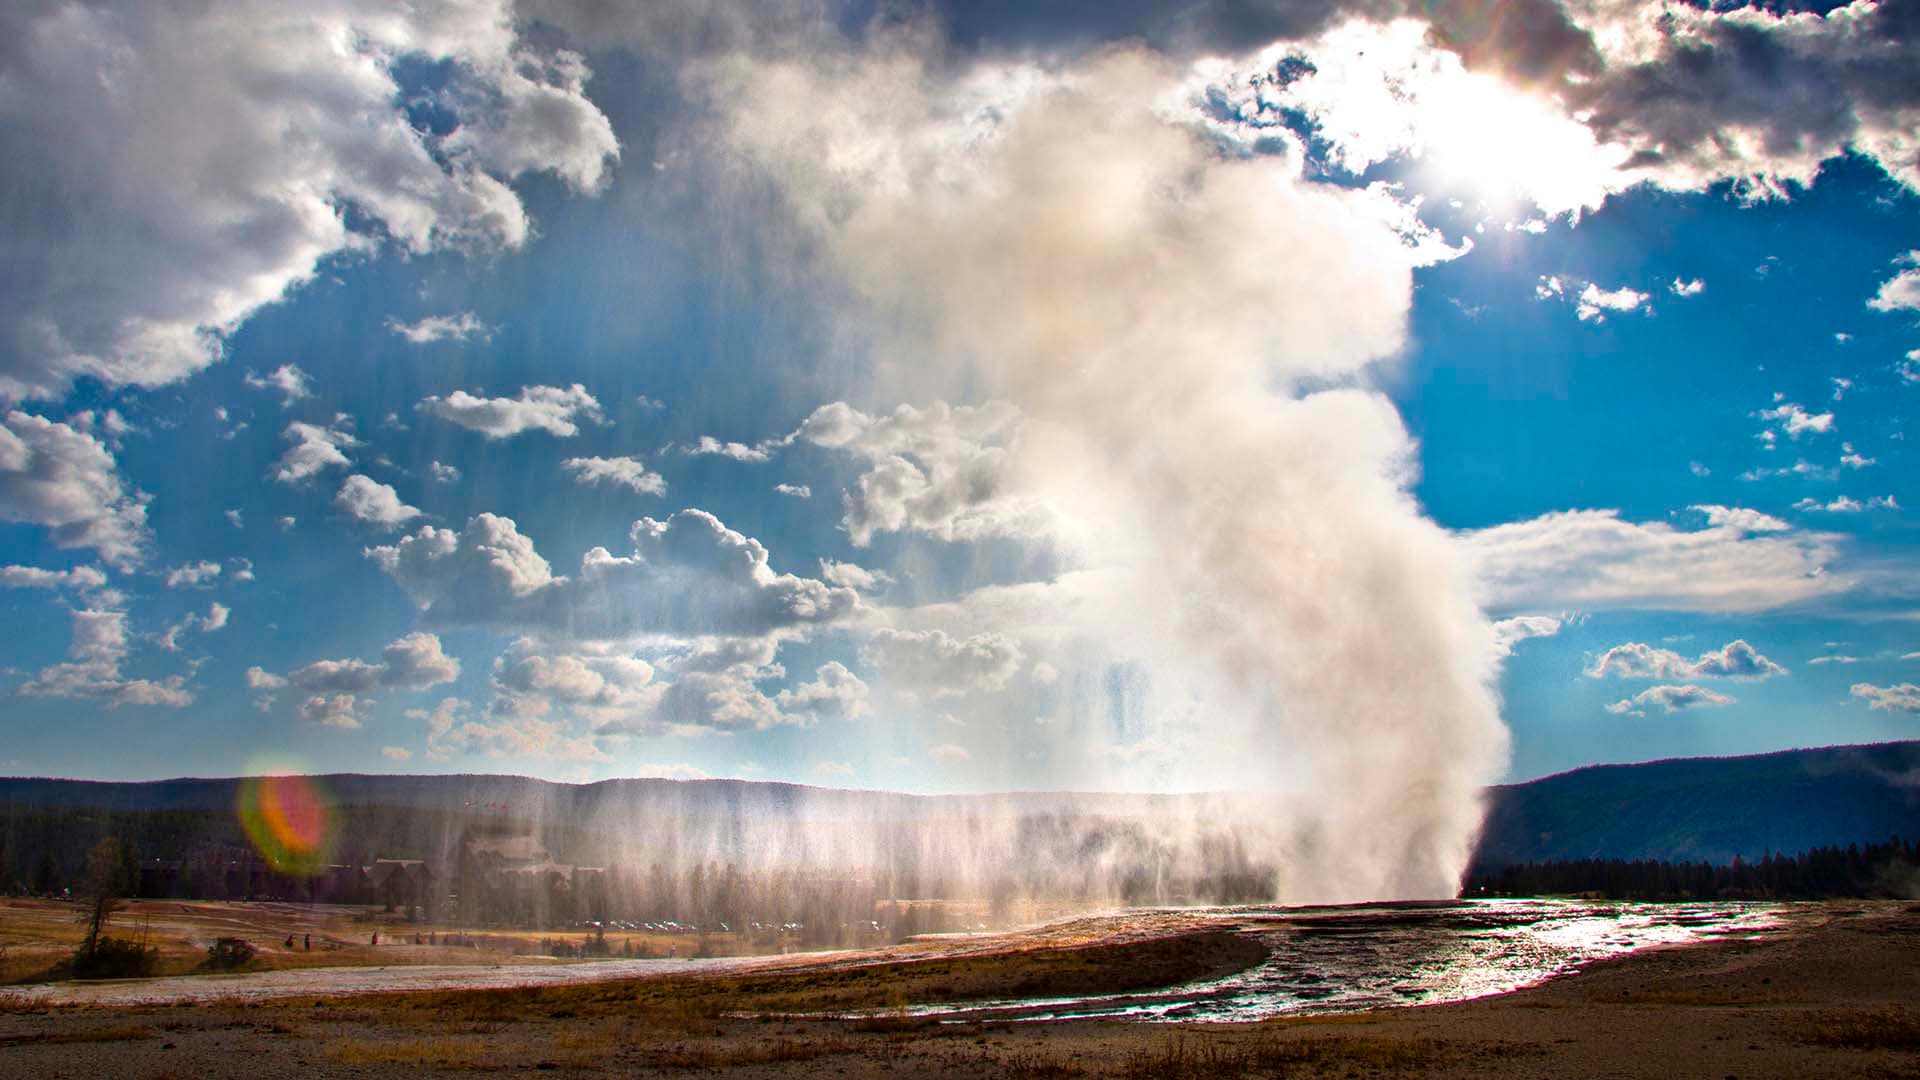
<point x="1688" y="809"/>
<point x="1708" y="809"/>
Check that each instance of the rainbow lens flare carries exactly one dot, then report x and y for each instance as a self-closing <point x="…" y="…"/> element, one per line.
<point x="289" y="820"/>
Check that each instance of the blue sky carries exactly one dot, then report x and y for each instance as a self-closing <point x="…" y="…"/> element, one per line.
<point x="1080" y="409"/>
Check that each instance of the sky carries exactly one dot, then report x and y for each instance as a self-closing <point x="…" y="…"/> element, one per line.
<point x="1363" y="402"/>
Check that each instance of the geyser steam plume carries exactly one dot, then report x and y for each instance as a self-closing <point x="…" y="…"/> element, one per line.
<point x="1185" y="332"/>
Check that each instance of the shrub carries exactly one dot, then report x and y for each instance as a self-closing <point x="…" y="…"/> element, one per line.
<point x="228" y="953"/>
<point x="114" y="958"/>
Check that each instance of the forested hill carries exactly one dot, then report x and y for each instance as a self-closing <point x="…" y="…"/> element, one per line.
<point x="1708" y="809"/>
<point x="1695" y="809"/>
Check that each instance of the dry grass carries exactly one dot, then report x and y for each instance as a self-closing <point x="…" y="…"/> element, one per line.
<point x="115" y="1033"/>
<point x="1194" y="1057"/>
<point x="1884" y="1029"/>
<point x="441" y="1053"/>
<point x="735" y="1054"/>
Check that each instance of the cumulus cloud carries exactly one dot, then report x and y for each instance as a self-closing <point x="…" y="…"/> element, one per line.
<point x="413" y="662"/>
<point x="1509" y="633"/>
<point x="940" y="471"/>
<point x="99" y="648"/>
<point x="797" y="491"/>
<point x="313" y="449"/>
<point x="1900" y="697"/>
<point x="834" y="694"/>
<point x="1683" y="288"/>
<point x="66" y="482"/>
<point x="949" y="754"/>
<point x="1594" y="302"/>
<point x="236" y="147"/>
<point x="1669" y="699"/>
<point x="453" y="728"/>
<point x="287" y="380"/>
<point x="331" y="710"/>
<point x="1637" y="660"/>
<point x="34" y="577"/>
<point x="442" y="473"/>
<point x="853" y="576"/>
<point x="1742" y="561"/>
<point x="1795" y="421"/>
<point x="193" y="575"/>
<point x="366" y="499"/>
<point x="946" y="664"/>
<point x="1901" y="292"/>
<point x="551" y="409"/>
<point x="623" y="472"/>
<point x="214" y="619"/>
<point x="686" y="576"/>
<point x="464" y="326"/>
<point x="708" y="446"/>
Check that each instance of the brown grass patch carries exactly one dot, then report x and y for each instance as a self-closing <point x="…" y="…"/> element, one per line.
<point x="116" y="1033"/>
<point x="1883" y="1029"/>
<point x="443" y="1053"/>
<point x="1188" y="1057"/>
<point x="730" y="1055"/>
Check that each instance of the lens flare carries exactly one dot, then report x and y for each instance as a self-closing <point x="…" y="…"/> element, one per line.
<point x="289" y="820"/>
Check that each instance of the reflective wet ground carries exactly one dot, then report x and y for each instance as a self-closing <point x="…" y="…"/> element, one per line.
<point x="1353" y="959"/>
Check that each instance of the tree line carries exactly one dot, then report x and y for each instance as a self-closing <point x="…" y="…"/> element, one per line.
<point x="1877" y="870"/>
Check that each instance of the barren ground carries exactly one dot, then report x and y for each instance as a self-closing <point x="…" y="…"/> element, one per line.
<point x="1833" y="996"/>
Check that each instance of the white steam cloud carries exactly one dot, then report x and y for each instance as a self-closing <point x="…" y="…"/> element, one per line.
<point x="1152" y="310"/>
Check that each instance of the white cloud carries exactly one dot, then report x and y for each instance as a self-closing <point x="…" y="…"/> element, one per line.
<point x="396" y="753"/>
<point x="949" y="754"/>
<point x="463" y="326"/>
<point x="686" y="576"/>
<point x="1834" y="659"/>
<point x="413" y="662"/>
<point x="34" y="577"/>
<point x="214" y="619"/>
<point x="99" y="647"/>
<point x="287" y="380"/>
<point x="1682" y="287"/>
<point x="331" y="710"/>
<point x="797" y="491"/>
<point x="1795" y="421"/>
<point x="1908" y="367"/>
<point x="443" y="474"/>
<point x="1742" y="561"/>
<point x="710" y="446"/>
<point x="235" y="518"/>
<point x="453" y="729"/>
<point x="366" y="499"/>
<point x="1637" y="660"/>
<point x="314" y="449"/>
<point x="1594" y="302"/>
<point x="66" y="481"/>
<point x="1900" y="697"/>
<point x="1901" y="292"/>
<point x="1669" y="699"/>
<point x="241" y="569"/>
<point x="261" y="679"/>
<point x="226" y="146"/>
<point x="551" y="409"/>
<point x="1840" y="387"/>
<point x="853" y="576"/>
<point x="286" y="523"/>
<point x="193" y="575"/>
<point x="620" y="471"/>
<point x="1698" y="469"/>
<point x="834" y="694"/>
<point x="1509" y="633"/>
<point x="935" y="660"/>
<point x="940" y="471"/>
